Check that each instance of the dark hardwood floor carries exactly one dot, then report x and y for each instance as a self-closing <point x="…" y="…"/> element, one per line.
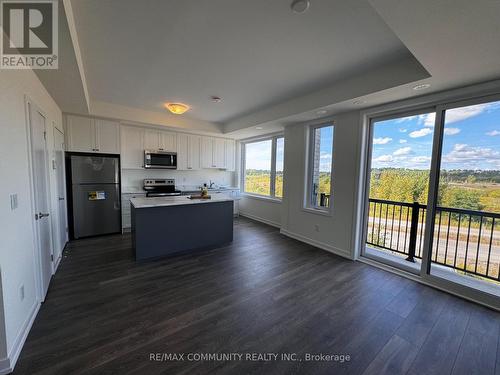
<point x="264" y="293"/>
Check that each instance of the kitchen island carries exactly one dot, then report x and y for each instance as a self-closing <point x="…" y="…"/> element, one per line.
<point x="168" y="225"/>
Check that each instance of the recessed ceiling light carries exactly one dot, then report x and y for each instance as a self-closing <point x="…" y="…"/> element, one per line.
<point x="422" y="86"/>
<point x="358" y="102"/>
<point x="300" y="6"/>
<point x="216" y="99"/>
<point x="321" y="112"/>
<point x="258" y="127"/>
<point x="177" y="108"/>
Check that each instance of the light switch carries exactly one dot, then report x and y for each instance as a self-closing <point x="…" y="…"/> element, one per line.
<point x="13" y="201"/>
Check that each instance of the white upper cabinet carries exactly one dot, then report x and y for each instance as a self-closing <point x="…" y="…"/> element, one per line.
<point x="219" y="153"/>
<point x="213" y="153"/>
<point x="188" y="152"/>
<point x="151" y="139"/>
<point x="230" y="155"/>
<point x="85" y="134"/>
<point x="80" y="133"/>
<point x="160" y="140"/>
<point x="132" y="147"/>
<point x="168" y="141"/>
<point x="107" y="136"/>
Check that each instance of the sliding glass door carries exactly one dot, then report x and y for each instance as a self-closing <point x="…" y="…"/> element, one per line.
<point x="466" y="236"/>
<point x="432" y="204"/>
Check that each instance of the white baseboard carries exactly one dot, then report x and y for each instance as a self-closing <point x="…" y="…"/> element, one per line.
<point x="335" y="250"/>
<point x="262" y="220"/>
<point x="7" y="364"/>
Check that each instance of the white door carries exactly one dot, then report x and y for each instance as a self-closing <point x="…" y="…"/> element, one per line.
<point x="41" y="195"/>
<point x="107" y="136"/>
<point x="81" y="134"/>
<point x="61" y="234"/>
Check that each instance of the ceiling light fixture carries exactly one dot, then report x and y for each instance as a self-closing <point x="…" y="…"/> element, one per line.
<point x="300" y="6"/>
<point x="422" y="86"/>
<point x="216" y="99"/>
<point x="177" y="108"/>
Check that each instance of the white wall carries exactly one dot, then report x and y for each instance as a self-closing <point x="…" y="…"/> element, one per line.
<point x="335" y="231"/>
<point x="266" y="210"/>
<point x="17" y="259"/>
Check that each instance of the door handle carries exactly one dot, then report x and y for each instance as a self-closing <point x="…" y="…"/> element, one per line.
<point x="41" y="215"/>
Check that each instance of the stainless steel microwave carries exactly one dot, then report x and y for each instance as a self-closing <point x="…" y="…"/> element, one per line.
<point x="160" y="159"/>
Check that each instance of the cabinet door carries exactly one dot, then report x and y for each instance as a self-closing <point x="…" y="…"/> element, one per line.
<point x="194" y="145"/>
<point x="151" y="140"/>
<point x="81" y="134"/>
<point x="182" y="152"/>
<point x="207" y="152"/>
<point x="107" y="136"/>
<point x="168" y="141"/>
<point x="230" y="155"/>
<point x="220" y="153"/>
<point x="132" y="147"/>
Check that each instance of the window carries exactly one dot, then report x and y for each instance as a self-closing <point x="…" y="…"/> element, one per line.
<point x="263" y="167"/>
<point x="320" y="167"/>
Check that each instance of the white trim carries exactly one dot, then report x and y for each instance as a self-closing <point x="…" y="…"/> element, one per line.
<point x="7" y="364"/>
<point x="265" y="198"/>
<point x="262" y="220"/>
<point x="321" y="245"/>
<point x="310" y="148"/>
<point x="430" y="282"/>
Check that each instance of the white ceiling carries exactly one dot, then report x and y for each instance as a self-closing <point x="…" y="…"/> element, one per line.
<point x="271" y="67"/>
<point x="251" y="53"/>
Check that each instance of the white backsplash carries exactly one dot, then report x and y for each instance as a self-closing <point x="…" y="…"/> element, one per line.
<point x="132" y="180"/>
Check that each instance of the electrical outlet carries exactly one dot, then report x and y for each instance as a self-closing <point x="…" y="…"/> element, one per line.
<point x="316" y="227"/>
<point x="13" y="201"/>
<point x="21" y="292"/>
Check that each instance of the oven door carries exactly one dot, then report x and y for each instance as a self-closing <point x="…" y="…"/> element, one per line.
<point x="160" y="160"/>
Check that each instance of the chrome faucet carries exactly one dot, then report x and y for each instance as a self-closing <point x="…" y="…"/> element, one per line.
<point x="212" y="185"/>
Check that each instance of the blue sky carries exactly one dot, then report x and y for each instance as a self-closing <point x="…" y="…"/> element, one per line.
<point x="471" y="140"/>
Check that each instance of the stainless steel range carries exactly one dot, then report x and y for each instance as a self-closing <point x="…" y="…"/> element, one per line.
<point x="160" y="187"/>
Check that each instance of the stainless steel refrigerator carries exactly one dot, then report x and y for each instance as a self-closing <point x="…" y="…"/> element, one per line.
<point x="95" y="188"/>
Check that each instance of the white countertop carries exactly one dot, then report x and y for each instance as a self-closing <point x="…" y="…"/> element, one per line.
<point x="175" y="201"/>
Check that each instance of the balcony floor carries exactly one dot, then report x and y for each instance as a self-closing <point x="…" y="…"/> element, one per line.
<point x="264" y="293"/>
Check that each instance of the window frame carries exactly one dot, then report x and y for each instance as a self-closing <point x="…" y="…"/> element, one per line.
<point x="310" y="136"/>
<point x="272" y="187"/>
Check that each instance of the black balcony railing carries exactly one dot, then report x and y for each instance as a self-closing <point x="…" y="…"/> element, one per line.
<point x="464" y="240"/>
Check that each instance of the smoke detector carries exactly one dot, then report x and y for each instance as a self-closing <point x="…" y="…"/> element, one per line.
<point x="300" y="6"/>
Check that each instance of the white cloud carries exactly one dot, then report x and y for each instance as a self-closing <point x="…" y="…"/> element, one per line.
<point x="451" y="131"/>
<point x="427" y="119"/>
<point x="420" y="133"/>
<point x="493" y="133"/>
<point x="381" y="141"/>
<point x="384" y="159"/>
<point x="460" y="114"/>
<point x="403" y="119"/>
<point x="403" y="141"/>
<point x="402" y="151"/>
<point x="403" y="130"/>
<point x="421" y="159"/>
<point x="471" y="156"/>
